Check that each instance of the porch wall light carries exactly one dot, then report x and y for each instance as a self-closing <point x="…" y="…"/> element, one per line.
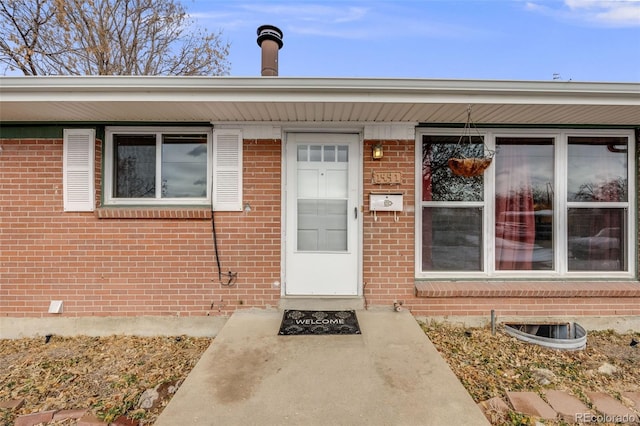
<point x="377" y="152"/>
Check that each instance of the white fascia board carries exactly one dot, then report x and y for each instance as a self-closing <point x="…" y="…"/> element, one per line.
<point x="145" y="83"/>
<point x="285" y="89"/>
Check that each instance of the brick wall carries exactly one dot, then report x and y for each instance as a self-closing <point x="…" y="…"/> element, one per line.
<point x="388" y="246"/>
<point x="526" y="306"/>
<point x="128" y="261"/>
<point x="389" y="265"/>
<point x="522" y="298"/>
<point x="99" y="264"/>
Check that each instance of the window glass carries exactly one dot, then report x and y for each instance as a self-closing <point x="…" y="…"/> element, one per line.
<point x="156" y="165"/>
<point x="559" y="203"/>
<point x="524" y="203"/>
<point x="322" y="225"/>
<point x="315" y="153"/>
<point x="597" y="239"/>
<point x="322" y="189"/>
<point x="438" y="182"/>
<point x="452" y="239"/>
<point x="329" y="153"/>
<point x="303" y="153"/>
<point x="134" y="166"/>
<point x="184" y="166"/>
<point x="343" y="153"/>
<point x="597" y="169"/>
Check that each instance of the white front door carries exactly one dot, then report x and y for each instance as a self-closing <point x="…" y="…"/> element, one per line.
<point x="322" y="215"/>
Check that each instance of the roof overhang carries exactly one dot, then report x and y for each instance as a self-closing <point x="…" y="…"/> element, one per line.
<point x="285" y="99"/>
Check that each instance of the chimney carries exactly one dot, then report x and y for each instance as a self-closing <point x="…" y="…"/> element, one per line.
<point x="270" y="40"/>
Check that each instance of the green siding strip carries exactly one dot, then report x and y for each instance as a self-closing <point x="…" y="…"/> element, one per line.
<point x="30" y="132"/>
<point x="531" y="126"/>
<point x="22" y="130"/>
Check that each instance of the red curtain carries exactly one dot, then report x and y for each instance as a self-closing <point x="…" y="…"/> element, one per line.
<point x="515" y="220"/>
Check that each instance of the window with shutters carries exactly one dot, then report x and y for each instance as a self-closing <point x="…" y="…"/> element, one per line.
<point x="173" y="166"/>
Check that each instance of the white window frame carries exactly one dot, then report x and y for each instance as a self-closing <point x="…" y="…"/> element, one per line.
<point x="561" y="206"/>
<point x="109" y="199"/>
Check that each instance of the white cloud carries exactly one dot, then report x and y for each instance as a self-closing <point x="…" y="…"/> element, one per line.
<point x="610" y="13"/>
<point x="309" y="12"/>
<point x="304" y="18"/>
<point x="623" y="15"/>
<point x="346" y="20"/>
<point x="533" y="6"/>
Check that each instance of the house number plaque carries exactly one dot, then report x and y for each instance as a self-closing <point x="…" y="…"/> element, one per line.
<point x="387" y="178"/>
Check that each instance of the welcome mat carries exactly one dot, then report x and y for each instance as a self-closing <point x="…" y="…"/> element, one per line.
<point x="296" y="322"/>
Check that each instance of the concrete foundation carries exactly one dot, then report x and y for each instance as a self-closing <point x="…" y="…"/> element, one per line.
<point x="16" y="328"/>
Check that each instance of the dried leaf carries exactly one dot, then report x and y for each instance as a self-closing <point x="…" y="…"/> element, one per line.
<point x="488" y="365"/>
<point x="106" y="374"/>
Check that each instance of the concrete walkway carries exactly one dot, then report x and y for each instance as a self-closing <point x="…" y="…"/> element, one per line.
<point x="391" y="374"/>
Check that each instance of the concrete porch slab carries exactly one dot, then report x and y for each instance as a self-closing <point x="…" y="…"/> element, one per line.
<point x="390" y="374"/>
<point x="321" y="303"/>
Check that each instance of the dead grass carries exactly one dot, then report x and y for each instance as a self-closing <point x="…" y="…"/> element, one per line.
<point x="488" y="365"/>
<point x="107" y="375"/>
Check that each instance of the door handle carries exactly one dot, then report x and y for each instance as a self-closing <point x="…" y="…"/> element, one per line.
<point x="355" y="212"/>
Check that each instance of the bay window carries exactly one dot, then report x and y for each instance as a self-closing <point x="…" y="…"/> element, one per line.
<point x="554" y="203"/>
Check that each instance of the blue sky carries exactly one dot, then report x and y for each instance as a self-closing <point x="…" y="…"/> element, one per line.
<point x="578" y="40"/>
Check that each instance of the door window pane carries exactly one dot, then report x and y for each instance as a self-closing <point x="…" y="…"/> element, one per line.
<point x="329" y="153"/>
<point x="303" y="153"/>
<point x="597" y="239"/>
<point x="451" y="239"/>
<point x="134" y="166"/>
<point x="184" y="166"/>
<point x="323" y="153"/>
<point x="315" y="153"/>
<point x="322" y="225"/>
<point x="343" y="153"/>
<point x="597" y="169"/>
<point x="524" y="203"/>
<point x="438" y="182"/>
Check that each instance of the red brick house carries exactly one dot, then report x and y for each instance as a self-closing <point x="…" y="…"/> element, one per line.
<point x="194" y="196"/>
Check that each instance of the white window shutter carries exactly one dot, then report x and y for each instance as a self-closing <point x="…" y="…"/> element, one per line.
<point x="227" y="170"/>
<point x="78" y="170"/>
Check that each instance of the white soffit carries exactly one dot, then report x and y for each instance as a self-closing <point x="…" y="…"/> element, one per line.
<point x="284" y="99"/>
